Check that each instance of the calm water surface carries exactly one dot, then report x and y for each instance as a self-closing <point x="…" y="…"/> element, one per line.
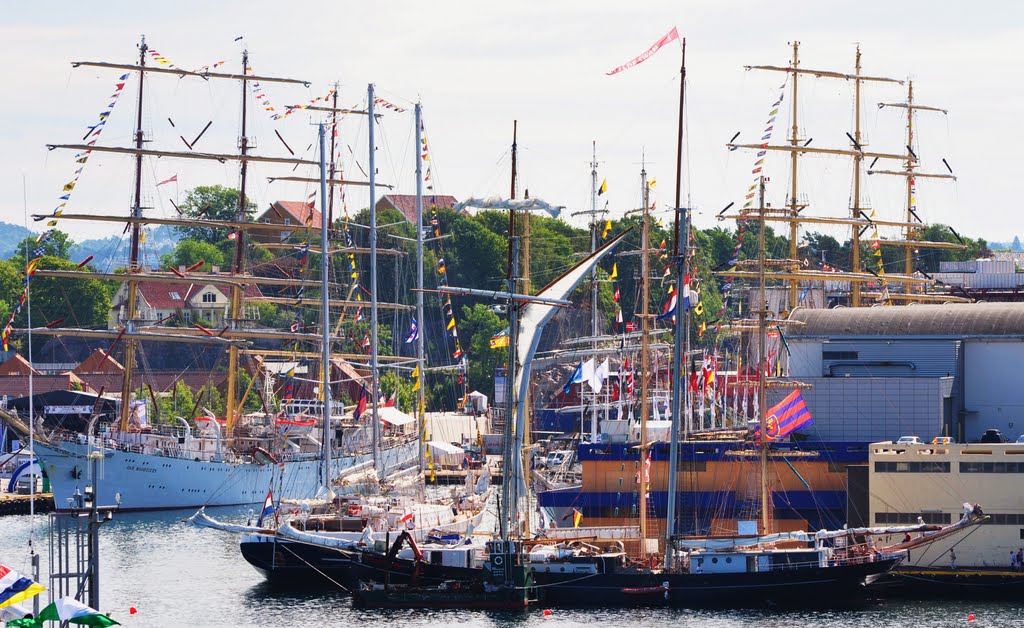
<point x="176" y="575"/>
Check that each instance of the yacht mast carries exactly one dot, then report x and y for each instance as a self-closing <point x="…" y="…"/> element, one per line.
<point x="645" y="358"/>
<point x="762" y="363"/>
<point x="325" y="314"/>
<point x="374" y="367"/>
<point x="420" y="361"/>
<point x="682" y="325"/>
<point x="133" y="260"/>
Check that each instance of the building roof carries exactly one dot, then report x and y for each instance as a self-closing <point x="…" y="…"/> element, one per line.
<point x="173" y="296"/>
<point x="17" y="386"/>
<point x="17" y="365"/>
<point x="948" y="319"/>
<point x="406" y="203"/>
<point x="98" y="362"/>
<point x="304" y="213"/>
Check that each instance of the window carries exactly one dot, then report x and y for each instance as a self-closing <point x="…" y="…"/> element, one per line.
<point x="907" y="518"/>
<point x="1006" y="519"/>
<point x="175" y="296"/>
<point x="287" y="221"/>
<point x="698" y="466"/>
<point x="209" y="297"/>
<point x="927" y="466"/>
<point x="992" y="467"/>
<point x="838" y="355"/>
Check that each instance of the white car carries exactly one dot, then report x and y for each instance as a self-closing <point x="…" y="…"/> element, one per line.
<point x="908" y="440"/>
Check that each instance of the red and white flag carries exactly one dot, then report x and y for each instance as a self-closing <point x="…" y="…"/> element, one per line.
<point x="647" y="54"/>
<point x="233" y="235"/>
<point x="173" y="179"/>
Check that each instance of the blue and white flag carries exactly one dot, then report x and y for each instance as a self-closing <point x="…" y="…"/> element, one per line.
<point x="414" y="332"/>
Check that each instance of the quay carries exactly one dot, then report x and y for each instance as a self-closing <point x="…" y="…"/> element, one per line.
<point x="11" y="504"/>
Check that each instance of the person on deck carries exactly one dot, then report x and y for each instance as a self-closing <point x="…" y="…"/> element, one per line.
<point x="952" y="559"/>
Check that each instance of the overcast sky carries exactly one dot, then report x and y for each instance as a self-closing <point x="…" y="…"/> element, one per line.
<point x="477" y="68"/>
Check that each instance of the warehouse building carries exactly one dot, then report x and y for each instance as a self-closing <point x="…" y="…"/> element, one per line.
<point x="926" y="370"/>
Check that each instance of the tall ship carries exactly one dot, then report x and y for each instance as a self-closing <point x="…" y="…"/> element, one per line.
<point x="268" y="435"/>
<point x="596" y="481"/>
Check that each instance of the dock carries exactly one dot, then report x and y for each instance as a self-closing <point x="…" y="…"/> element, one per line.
<point x="11" y="504"/>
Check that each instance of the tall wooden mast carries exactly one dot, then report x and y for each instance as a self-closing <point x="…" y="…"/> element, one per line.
<point x="913" y="225"/>
<point x="238" y="264"/>
<point x="858" y="220"/>
<point x="133" y="260"/>
<point x="794" y="205"/>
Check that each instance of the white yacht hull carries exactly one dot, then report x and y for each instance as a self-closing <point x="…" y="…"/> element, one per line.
<point x="151" y="482"/>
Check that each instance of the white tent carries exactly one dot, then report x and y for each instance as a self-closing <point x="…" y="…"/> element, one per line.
<point x="394" y="416"/>
<point x="478" y="400"/>
<point x="445" y="448"/>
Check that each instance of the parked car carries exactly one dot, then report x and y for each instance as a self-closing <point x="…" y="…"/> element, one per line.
<point x="908" y="440"/>
<point x="992" y="435"/>
<point x="1020" y="439"/>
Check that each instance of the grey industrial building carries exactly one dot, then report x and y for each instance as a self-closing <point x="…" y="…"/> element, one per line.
<point x="878" y="373"/>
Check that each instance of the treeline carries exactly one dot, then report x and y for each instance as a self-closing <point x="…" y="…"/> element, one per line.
<point x="474" y="251"/>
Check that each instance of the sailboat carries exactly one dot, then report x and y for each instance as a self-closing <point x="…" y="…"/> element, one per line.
<point x="357" y="524"/>
<point x="150" y="468"/>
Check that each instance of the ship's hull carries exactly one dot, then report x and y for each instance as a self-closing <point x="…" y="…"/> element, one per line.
<point x="149" y="482"/>
<point x="289" y="564"/>
<point x="805" y="587"/>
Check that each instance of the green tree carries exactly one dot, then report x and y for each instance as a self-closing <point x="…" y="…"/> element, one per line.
<point x="58" y="244"/>
<point x="80" y="302"/>
<point x="211" y="202"/>
<point x="189" y="252"/>
<point x="477" y="324"/>
<point x="10" y="288"/>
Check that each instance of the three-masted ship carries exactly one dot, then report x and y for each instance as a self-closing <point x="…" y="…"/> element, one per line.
<point x="236" y="458"/>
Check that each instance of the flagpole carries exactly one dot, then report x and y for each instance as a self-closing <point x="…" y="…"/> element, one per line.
<point x="33" y="557"/>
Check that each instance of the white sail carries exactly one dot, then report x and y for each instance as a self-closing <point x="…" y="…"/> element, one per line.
<point x="532" y="318"/>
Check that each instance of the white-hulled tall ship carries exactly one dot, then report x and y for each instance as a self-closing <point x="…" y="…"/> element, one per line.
<point x="234" y="460"/>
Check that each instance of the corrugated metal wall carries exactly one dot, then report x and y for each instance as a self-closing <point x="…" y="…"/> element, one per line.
<point x="889" y="358"/>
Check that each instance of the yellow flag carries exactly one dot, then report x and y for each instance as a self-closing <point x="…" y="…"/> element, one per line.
<point x="451" y="323"/>
<point x="615" y="271"/>
<point x="653" y="183"/>
<point x="604" y="187"/>
<point x="607" y="230"/>
<point x="416" y="378"/>
<point x="498" y="342"/>
<point x="70" y="185"/>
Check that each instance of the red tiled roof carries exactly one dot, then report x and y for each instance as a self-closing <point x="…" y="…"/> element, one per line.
<point x="98" y="362"/>
<point x="17" y="365"/>
<point x="302" y="212"/>
<point x="161" y="296"/>
<point x="406" y="203"/>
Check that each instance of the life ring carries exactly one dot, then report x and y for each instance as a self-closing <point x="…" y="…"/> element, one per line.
<point x="355" y="510"/>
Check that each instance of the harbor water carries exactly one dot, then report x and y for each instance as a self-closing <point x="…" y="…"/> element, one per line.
<point x="177" y="575"/>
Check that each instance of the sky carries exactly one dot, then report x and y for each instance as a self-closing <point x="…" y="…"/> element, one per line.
<point x="477" y="67"/>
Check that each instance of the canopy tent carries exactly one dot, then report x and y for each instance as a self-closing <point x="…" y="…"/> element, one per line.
<point x="478" y="400"/>
<point x="394" y="416"/>
<point x="445" y="448"/>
